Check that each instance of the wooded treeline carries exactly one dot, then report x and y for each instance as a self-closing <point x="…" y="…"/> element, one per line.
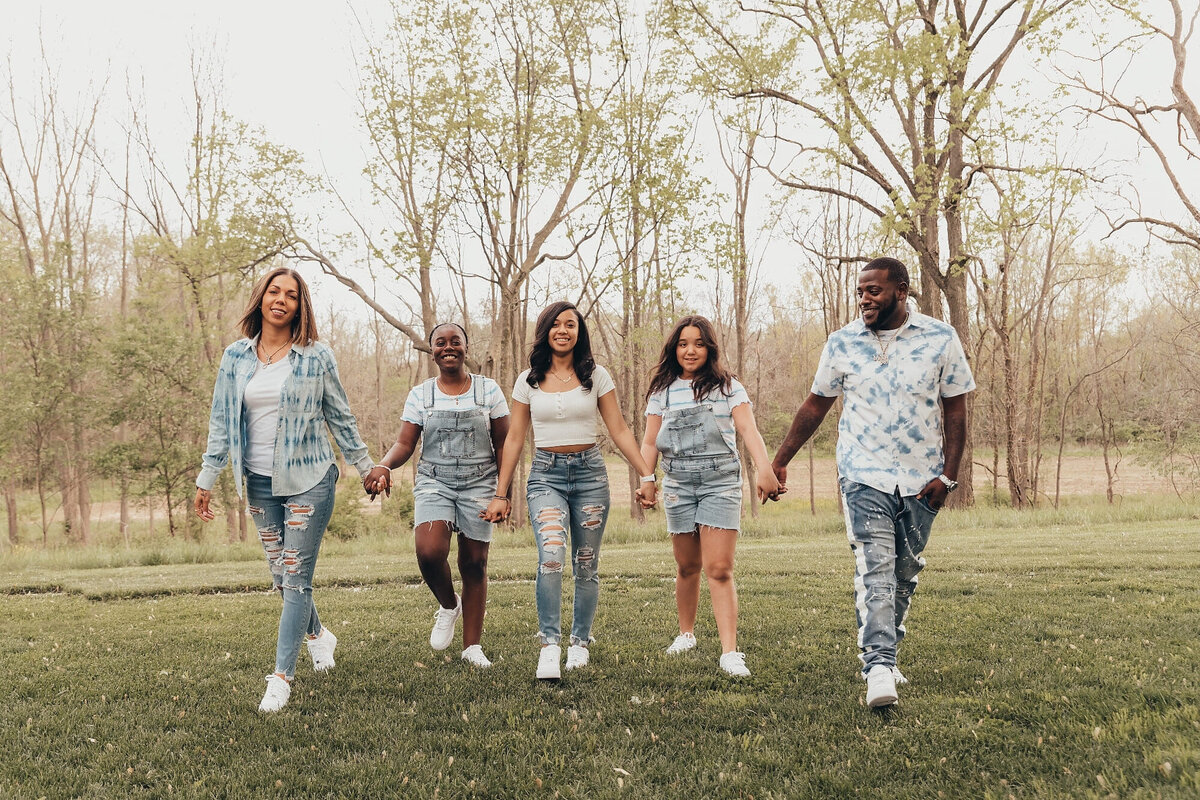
<point x="645" y="162"/>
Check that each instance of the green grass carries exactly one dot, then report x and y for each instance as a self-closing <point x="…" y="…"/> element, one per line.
<point x="1050" y="655"/>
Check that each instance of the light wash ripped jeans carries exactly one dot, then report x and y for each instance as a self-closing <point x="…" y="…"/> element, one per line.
<point x="887" y="534"/>
<point x="567" y="492"/>
<point x="290" y="529"/>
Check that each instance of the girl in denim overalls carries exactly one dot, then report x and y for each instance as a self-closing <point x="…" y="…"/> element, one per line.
<point x="560" y="395"/>
<point x="462" y="420"/>
<point x="694" y="405"/>
<point x="277" y="393"/>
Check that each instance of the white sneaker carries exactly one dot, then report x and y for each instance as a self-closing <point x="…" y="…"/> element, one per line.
<point x="899" y="676"/>
<point x="474" y="656"/>
<point x="734" y="663"/>
<point x="548" y="668"/>
<point x="443" y="625"/>
<point x="278" y="692"/>
<point x="577" y="656"/>
<point x="881" y="687"/>
<point x="683" y="642"/>
<point x="321" y="650"/>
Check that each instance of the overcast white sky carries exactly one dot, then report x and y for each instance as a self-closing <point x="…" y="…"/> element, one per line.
<point x="289" y="66"/>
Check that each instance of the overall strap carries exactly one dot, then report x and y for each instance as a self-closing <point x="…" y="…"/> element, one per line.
<point x="477" y="384"/>
<point x="427" y="393"/>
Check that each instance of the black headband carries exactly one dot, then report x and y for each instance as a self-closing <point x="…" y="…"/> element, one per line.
<point x="466" y="339"/>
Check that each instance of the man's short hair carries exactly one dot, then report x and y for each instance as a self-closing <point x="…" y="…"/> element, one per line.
<point x="897" y="272"/>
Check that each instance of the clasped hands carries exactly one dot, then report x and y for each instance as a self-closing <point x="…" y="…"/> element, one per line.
<point x="378" y="481"/>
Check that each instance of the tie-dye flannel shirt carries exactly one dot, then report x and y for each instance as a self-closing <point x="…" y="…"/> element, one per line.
<point x="312" y="398"/>
<point x="890" y="431"/>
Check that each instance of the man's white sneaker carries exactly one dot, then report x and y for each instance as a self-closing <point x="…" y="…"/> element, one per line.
<point x="474" y="656"/>
<point x="881" y="687"/>
<point x="321" y="650"/>
<point x="577" y="656"/>
<point x="734" y="663"/>
<point x="683" y="642"/>
<point x="443" y="625"/>
<point x="548" y="668"/>
<point x="278" y="692"/>
<point x="899" y="676"/>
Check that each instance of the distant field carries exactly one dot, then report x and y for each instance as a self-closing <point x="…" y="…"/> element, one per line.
<point x="1051" y="655"/>
<point x="1083" y="475"/>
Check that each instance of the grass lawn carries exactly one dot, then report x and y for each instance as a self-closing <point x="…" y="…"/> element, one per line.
<point x="1049" y="657"/>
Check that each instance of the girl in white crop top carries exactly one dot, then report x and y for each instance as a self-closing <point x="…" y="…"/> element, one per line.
<point x="560" y="395"/>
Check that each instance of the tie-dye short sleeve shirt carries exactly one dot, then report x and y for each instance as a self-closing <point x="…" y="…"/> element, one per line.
<point x="890" y="431"/>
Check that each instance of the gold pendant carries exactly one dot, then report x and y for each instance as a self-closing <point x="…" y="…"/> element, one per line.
<point x="881" y="358"/>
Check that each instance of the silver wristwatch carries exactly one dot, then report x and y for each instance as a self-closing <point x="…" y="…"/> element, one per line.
<point x="950" y="485"/>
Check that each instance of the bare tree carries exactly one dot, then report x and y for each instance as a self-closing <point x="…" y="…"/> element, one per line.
<point x="1170" y="128"/>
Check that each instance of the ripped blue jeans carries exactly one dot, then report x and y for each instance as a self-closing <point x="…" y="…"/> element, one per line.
<point x="290" y="529"/>
<point x="567" y="493"/>
<point x="887" y="535"/>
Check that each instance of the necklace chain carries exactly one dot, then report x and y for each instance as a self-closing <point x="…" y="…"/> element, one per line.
<point x="271" y="357"/>
<point x="882" y="357"/>
<point x="567" y="379"/>
<point x="445" y="391"/>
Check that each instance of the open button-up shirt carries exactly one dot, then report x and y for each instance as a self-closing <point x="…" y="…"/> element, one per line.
<point x="312" y="398"/>
<point x="890" y="431"/>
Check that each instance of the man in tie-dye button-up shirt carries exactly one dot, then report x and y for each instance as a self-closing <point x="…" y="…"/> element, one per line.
<point x="903" y="378"/>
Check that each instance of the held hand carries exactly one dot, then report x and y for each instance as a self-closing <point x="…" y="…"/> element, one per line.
<point x="497" y="510"/>
<point x="378" y="480"/>
<point x="201" y="505"/>
<point x="781" y="476"/>
<point x="767" y="485"/>
<point x="934" y="494"/>
<point x="647" y="494"/>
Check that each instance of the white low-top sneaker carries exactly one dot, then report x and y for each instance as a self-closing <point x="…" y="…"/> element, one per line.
<point x="548" y="668"/>
<point x="277" y="694"/>
<point x="443" y="625"/>
<point x="881" y="687"/>
<point x="734" y="663"/>
<point x="577" y="656"/>
<point x="474" y="656"/>
<point x="321" y="650"/>
<point x="683" y="642"/>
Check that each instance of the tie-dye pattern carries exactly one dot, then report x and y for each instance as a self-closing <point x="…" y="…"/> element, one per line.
<point x="890" y="431"/>
<point x="312" y="398"/>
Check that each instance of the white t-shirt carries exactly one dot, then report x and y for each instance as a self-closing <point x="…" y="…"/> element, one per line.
<point x="260" y="404"/>
<point x="722" y="406"/>
<point x="561" y="418"/>
<point x="493" y="400"/>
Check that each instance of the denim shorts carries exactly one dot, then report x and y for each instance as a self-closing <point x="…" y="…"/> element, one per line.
<point x="702" y="491"/>
<point x="455" y="495"/>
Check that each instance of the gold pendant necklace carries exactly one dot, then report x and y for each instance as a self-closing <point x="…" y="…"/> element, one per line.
<point x="438" y="382"/>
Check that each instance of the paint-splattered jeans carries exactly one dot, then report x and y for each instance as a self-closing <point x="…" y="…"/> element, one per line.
<point x="567" y="493"/>
<point x="887" y="534"/>
<point x="291" y="529"/>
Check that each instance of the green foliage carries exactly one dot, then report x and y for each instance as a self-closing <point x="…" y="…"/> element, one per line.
<point x="348" y="521"/>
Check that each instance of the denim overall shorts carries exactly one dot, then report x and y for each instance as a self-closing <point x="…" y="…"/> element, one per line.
<point x="456" y="476"/>
<point x="702" y="482"/>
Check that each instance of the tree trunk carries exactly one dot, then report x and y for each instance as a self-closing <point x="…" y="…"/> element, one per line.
<point x="10" y="505"/>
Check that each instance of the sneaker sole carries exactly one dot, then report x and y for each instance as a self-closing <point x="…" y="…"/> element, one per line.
<point x="884" y="701"/>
